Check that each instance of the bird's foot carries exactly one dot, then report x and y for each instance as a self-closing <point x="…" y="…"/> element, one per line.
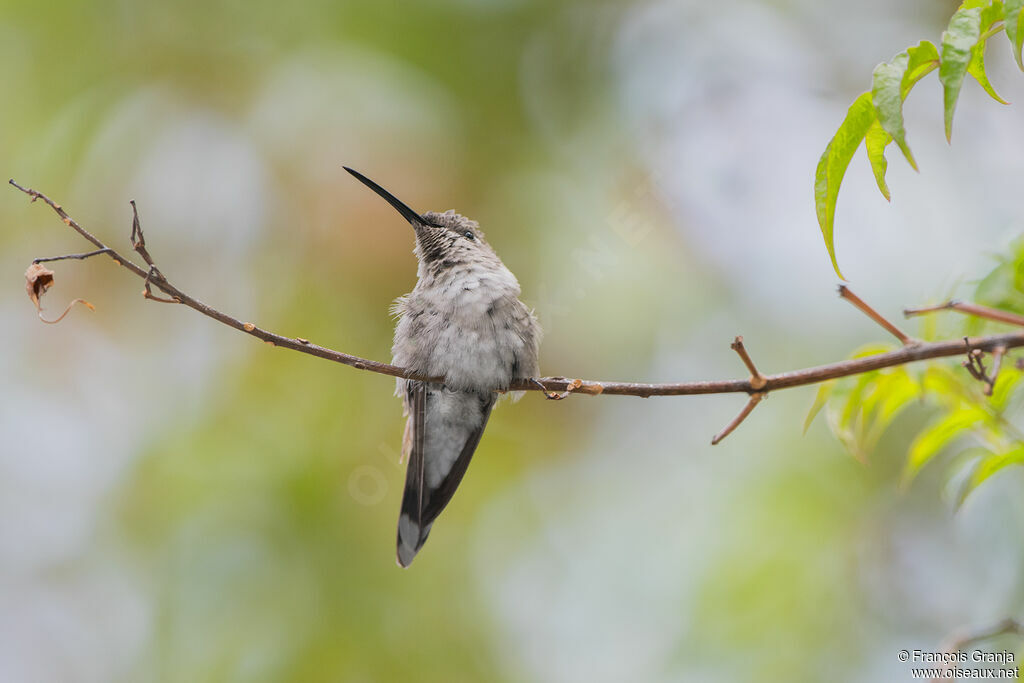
<point x="550" y="395"/>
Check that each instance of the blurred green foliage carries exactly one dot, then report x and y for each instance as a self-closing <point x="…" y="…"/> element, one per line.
<point x="969" y="422"/>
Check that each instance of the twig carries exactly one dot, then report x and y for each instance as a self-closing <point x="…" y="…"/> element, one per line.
<point x="973" y="362"/>
<point x="80" y="257"/>
<point x="147" y="292"/>
<point x="845" y="293"/>
<point x="264" y="335"/>
<point x="976" y="366"/>
<point x="959" y="642"/>
<point x="755" y="398"/>
<point x="757" y="380"/>
<point x="911" y="351"/>
<point x="967" y="308"/>
<point x="138" y="239"/>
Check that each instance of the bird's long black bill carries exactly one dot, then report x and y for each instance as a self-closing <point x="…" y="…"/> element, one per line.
<point x="391" y="199"/>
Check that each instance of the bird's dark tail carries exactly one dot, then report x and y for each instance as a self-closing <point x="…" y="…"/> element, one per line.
<point x="445" y="428"/>
<point x="411" y="538"/>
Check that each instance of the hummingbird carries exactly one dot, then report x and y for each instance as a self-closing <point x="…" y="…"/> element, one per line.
<point x="464" y="322"/>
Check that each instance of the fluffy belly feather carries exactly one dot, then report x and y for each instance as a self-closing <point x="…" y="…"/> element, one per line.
<point x="469" y="352"/>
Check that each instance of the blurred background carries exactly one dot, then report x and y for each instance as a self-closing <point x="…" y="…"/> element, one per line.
<point x="181" y="503"/>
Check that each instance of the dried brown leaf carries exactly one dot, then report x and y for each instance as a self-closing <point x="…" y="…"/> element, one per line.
<point x="38" y="279"/>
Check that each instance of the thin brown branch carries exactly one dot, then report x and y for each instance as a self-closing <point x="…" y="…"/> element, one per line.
<point x="784" y="380"/>
<point x="961" y="641"/>
<point x="845" y="293"/>
<point x="967" y="308"/>
<point x="161" y="283"/>
<point x="755" y="398"/>
<point x="65" y="257"/>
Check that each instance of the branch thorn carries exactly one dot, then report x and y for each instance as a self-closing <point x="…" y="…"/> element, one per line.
<point x="755" y="398"/>
<point x="967" y="308"/>
<point x="757" y="380"/>
<point x="863" y="307"/>
<point x="148" y="291"/>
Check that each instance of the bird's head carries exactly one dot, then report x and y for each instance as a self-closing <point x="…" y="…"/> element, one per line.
<point x="443" y="240"/>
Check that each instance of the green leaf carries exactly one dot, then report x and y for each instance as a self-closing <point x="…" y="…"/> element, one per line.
<point x="844" y="414"/>
<point x="850" y="416"/>
<point x="860" y="411"/>
<point x="959" y="471"/>
<point x="938" y="435"/>
<point x="820" y="399"/>
<point x="832" y="166"/>
<point x="894" y="391"/>
<point x="989" y="465"/>
<point x="875" y="142"/>
<point x="1015" y="27"/>
<point x="1007" y="382"/>
<point x="976" y="68"/>
<point x="1003" y="287"/>
<point x="958" y="41"/>
<point x="941" y="385"/>
<point x="892" y="81"/>
<point x="924" y="58"/>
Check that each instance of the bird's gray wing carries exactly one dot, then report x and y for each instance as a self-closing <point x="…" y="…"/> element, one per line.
<point x="435" y="466"/>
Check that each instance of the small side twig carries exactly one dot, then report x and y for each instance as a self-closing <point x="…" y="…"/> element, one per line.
<point x="975" y="365"/>
<point x="755" y="398"/>
<point x="138" y="240"/>
<point x="152" y="275"/>
<point x="757" y="380"/>
<point x="757" y="384"/>
<point x="977" y="310"/>
<point x="845" y="293"/>
<point x="80" y="257"/>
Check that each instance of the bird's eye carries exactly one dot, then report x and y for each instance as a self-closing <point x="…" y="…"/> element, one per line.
<point x="469" y="235"/>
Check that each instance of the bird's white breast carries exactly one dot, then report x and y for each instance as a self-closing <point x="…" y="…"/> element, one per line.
<point x="474" y="348"/>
